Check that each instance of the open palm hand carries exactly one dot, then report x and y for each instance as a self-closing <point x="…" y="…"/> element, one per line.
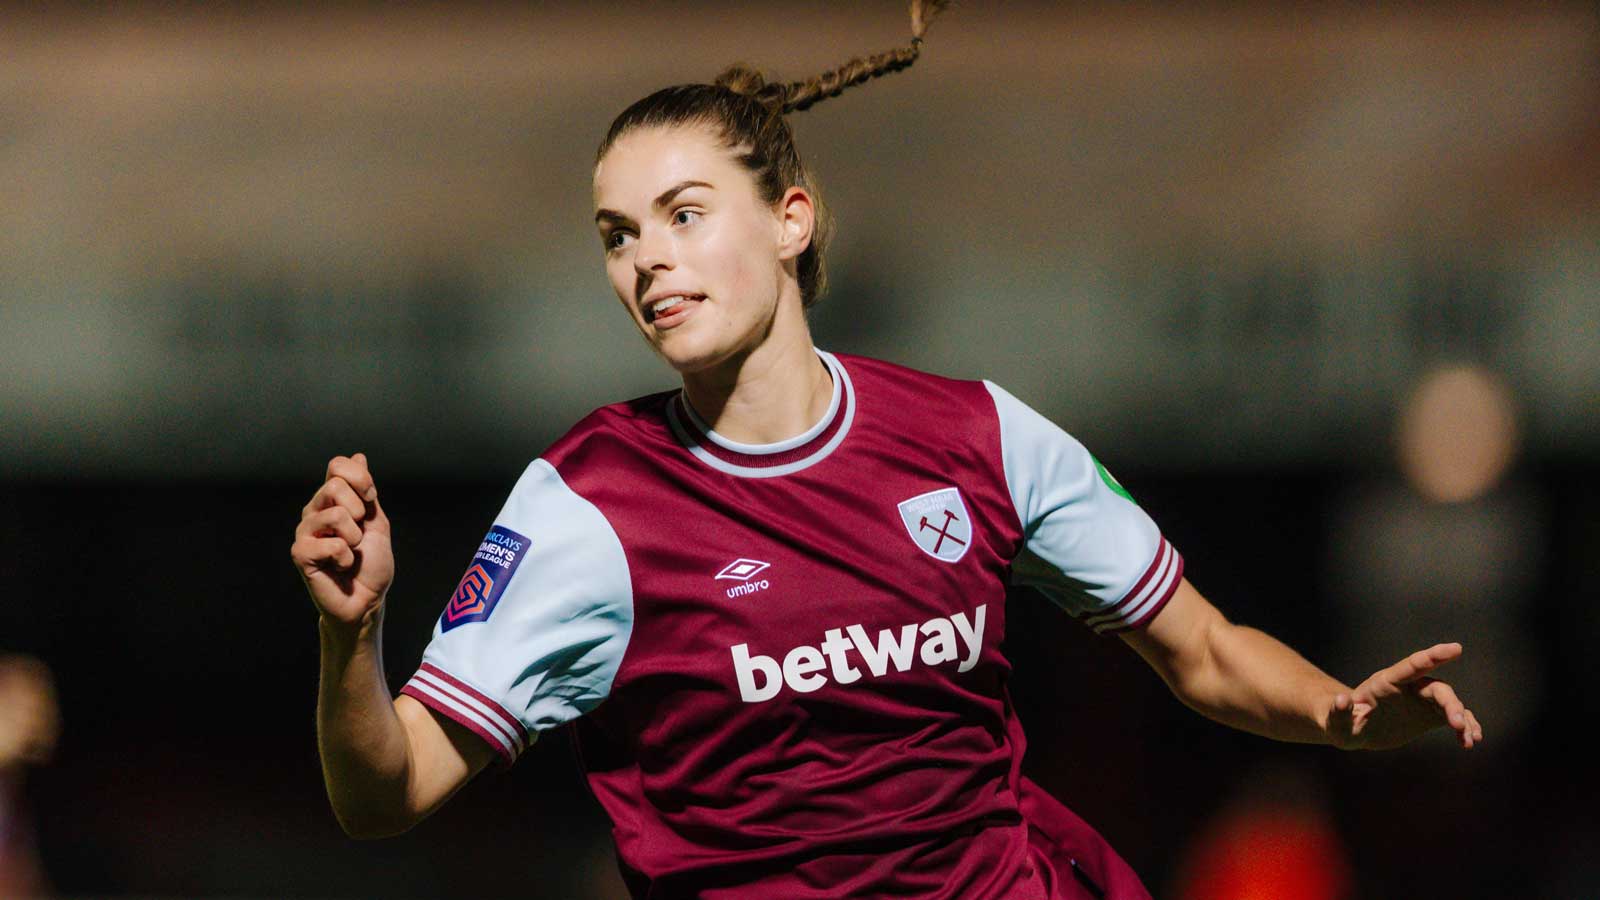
<point x="1398" y="704"/>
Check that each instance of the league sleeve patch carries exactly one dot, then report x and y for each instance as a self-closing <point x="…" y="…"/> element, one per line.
<point x="486" y="579"/>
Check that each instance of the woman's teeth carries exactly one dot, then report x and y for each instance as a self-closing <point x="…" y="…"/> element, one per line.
<point x="662" y="306"/>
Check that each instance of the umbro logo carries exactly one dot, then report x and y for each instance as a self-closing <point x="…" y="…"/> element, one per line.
<point x="742" y="570"/>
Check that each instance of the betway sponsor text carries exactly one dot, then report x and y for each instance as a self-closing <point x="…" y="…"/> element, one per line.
<point x="807" y="668"/>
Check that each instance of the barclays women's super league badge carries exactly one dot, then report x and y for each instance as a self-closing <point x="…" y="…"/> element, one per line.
<point x="486" y="579"/>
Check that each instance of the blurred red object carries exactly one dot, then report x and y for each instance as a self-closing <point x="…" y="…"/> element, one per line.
<point x="1266" y="852"/>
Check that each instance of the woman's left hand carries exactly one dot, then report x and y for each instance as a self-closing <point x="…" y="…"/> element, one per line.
<point x="1401" y="703"/>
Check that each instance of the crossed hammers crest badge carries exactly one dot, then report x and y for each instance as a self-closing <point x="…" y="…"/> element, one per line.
<point x="939" y="524"/>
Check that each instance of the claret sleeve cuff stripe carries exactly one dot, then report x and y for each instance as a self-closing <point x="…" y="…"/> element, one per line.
<point x="469" y="708"/>
<point x="441" y="705"/>
<point x="1136" y="593"/>
<point x="486" y="712"/>
<point x="469" y="721"/>
<point x="1138" y="600"/>
<point x="1144" y="618"/>
<point x="1145" y="599"/>
<point x="467" y="691"/>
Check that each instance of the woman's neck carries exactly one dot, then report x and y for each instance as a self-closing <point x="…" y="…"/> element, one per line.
<point x="777" y="391"/>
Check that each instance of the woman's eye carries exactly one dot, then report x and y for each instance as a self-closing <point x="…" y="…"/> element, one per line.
<point x="682" y="216"/>
<point x="614" y="240"/>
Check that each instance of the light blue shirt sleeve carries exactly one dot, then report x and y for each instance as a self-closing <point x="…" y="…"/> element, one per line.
<point x="535" y="632"/>
<point x="1086" y="545"/>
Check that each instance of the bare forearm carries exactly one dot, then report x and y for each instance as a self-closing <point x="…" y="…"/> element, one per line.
<point x="1254" y="682"/>
<point x="387" y="762"/>
<point x="1244" y="678"/>
<point x="365" y="759"/>
<point x="1236" y="675"/>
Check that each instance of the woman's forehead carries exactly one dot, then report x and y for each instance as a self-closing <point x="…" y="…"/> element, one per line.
<point x="646" y="161"/>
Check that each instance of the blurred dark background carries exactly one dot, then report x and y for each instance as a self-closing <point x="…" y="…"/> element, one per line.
<point x="1320" y="283"/>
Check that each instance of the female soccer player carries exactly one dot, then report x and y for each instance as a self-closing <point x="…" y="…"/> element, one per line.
<point x="772" y="603"/>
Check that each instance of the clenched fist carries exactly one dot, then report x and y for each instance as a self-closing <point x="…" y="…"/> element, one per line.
<point x="341" y="547"/>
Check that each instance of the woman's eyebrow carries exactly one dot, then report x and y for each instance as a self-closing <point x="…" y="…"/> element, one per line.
<point x="614" y="217"/>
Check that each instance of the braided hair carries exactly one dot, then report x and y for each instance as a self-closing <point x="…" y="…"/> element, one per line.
<point x="748" y="112"/>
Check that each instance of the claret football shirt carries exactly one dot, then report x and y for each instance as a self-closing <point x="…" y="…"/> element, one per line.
<point x="784" y="661"/>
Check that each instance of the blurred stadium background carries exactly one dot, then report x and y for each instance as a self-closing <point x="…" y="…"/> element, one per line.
<point x="1320" y="282"/>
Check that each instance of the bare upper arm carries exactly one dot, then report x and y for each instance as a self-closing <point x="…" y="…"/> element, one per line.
<point x="444" y="756"/>
<point x="1175" y="643"/>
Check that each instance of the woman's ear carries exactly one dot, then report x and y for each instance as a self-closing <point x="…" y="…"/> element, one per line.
<point x="796" y="219"/>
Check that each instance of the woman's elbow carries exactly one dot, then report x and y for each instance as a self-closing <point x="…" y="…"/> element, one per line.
<point x="371" y="825"/>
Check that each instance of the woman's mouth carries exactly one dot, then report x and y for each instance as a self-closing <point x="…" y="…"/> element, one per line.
<point x="669" y="311"/>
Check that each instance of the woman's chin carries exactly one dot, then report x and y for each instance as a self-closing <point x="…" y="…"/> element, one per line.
<point x="687" y="356"/>
<point x="693" y="350"/>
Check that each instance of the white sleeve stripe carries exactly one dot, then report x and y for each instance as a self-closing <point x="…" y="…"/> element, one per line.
<point x="470" y="694"/>
<point x="1158" y="589"/>
<point x="483" y="710"/>
<point x="1140" y="592"/>
<point x="1135" y="594"/>
<point x="1157" y="603"/>
<point x="1155" y="589"/>
<point x="467" y="706"/>
<point x="463" y="717"/>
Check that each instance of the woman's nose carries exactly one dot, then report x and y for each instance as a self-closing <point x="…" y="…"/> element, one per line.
<point x="653" y="253"/>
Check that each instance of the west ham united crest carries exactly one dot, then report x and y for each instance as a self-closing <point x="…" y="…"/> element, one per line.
<point x="938" y="523"/>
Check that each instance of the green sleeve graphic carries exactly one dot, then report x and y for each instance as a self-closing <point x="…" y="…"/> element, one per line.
<point x="1113" y="483"/>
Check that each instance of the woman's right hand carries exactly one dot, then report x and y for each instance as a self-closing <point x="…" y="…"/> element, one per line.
<point x="341" y="547"/>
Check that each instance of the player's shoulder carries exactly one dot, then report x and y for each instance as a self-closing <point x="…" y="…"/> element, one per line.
<point x="909" y="388"/>
<point x="627" y="427"/>
<point x="980" y="396"/>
